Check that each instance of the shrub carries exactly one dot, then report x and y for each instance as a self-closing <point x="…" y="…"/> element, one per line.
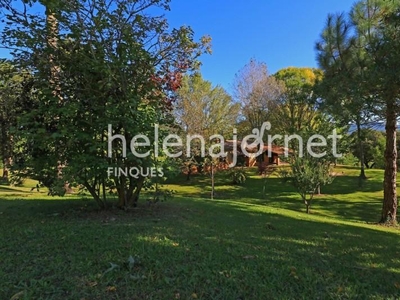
<point x="238" y="176"/>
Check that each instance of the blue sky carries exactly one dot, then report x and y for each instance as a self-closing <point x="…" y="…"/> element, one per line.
<point x="281" y="33"/>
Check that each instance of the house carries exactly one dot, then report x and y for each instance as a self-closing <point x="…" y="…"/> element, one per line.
<point x="270" y="154"/>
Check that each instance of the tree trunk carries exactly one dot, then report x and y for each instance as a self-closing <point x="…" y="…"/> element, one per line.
<point x="389" y="207"/>
<point x="122" y="201"/>
<point x="6" y="164"/>
<point x="308" y="204"/>
<point x="54" y="76"/>
<point x="52" y="39"/>
<point x="120" y="186"/>
<point x="5" y="173"/>
<point x="135" y="196"/>
<point x="94" y="194"/>
<point x="189" y="172"/>
<point x="212" y="181"/>
<point x="5" y="147"/>
<point x="361" y="149"/>
<point x="103" y="186"/>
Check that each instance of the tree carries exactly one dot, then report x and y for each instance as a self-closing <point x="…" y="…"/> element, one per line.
<point x="373" y="147"/>
<point x="307" y="174"/>
<point x="257" y="92"/>
<point x="118" y="71"/>
<point x="374" y="51"/>
<point x="341" y="86"/>
<point x="203" y="109"/>
<point x="11" y="85"/>
<point x="385" y="74"/>
<point x="296" y="111"/>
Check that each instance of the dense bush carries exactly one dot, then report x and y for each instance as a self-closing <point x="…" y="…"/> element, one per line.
<point x="238" y="176"/>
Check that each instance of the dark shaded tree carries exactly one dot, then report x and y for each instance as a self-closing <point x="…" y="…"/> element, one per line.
<point x="115" y="65"/>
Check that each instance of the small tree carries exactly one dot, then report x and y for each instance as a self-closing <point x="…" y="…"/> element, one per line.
<point x="307" y="174"/>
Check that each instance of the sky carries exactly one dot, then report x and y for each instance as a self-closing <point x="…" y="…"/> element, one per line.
<point x="280" y="33"/>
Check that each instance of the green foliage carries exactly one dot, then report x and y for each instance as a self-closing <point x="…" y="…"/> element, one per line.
<point x="238" y="176"/>
<point x="341" y="88"/>
<point x="299" y="82"/>
<point x="307" y="174"/>
<point x="296" y="112"/>
<point x="359" y="53"/>
<point x="171" y="168"/>
<point x="111" y="63"/>
<point x="12" y="104"/>
<point x="348" y="159"/>
<point x="203" y="109"/>
<point x="162" y="195"/>
<point x="15" y="179"/>
<point x="373" y="146"/>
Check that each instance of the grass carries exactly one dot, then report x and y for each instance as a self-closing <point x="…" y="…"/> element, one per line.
<point x="242" y="245"/>
<point x="343" y="199"/>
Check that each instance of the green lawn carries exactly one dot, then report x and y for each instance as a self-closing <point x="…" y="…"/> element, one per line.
<point x="242" y="245"/>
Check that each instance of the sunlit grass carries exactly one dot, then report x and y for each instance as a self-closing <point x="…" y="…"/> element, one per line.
<point x="241" y="245"/>
<point x="343" y="199"/>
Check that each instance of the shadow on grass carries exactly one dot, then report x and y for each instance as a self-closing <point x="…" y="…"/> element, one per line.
<point x="214" y="249"/>
<point x="351" y="210"/>
<point x="351" y="184"/>
<point x="343" y="198"/>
